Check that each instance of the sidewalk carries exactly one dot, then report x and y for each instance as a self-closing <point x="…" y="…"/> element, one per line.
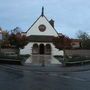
<point x="56" y="68"/>
<point x="46" y="68"/>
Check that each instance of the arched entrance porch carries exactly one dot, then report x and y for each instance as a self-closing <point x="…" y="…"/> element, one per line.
<point x="35" y="49"/>
<point x="41" y="49"/>
<point x="48" y="49"/>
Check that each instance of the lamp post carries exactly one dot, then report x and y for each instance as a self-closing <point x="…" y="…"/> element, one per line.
<point x="0" y="39"/>
<point x="64" y="56"/>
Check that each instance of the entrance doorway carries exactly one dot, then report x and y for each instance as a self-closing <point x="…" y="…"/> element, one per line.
<point x="41" y="49"/>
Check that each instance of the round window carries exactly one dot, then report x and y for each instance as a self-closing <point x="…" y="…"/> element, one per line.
<point x="42" y="28"/>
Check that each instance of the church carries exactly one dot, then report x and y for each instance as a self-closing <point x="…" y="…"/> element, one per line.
<point x="41" y="35"/>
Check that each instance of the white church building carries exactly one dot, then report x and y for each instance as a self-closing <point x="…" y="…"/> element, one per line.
<point x="40" y="35"/>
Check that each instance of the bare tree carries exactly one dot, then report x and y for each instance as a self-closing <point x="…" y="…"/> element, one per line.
<point x="84" y="38"/>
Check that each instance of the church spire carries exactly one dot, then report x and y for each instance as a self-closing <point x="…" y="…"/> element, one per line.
<point x="42" y="14"/>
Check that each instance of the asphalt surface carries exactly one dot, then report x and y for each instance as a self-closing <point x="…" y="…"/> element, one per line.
<point x="50" y="77"/>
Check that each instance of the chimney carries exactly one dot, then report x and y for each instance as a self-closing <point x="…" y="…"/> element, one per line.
<point x="52" y="22"/>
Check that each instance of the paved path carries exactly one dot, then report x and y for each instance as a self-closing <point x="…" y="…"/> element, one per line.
<point x="48" y="68"/>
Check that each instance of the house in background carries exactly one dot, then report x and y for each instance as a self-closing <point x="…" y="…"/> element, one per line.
<point x="41" y="35"/>
<point x="75" y="44"/>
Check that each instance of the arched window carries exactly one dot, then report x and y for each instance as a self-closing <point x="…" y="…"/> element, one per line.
<point x="48" y="49"/>
<point x="35" y="49"/>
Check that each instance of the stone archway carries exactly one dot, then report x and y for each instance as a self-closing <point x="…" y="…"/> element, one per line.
<point x="35" y="49"/>
<point x="41" y="49"/>
<point x="48" y="49"/>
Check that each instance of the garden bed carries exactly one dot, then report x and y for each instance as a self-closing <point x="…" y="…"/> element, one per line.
<point x="73" y="60"/>
<point x="4" y="59"/>
<point x="10" y="61"/>
<point x="76" y="60"/>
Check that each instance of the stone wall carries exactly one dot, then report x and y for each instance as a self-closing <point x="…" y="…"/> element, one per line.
<point x="78" y="52"/>
<point x="8" y="50"/>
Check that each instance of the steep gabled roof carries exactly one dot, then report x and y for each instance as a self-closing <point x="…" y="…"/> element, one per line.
<point x="42" y="15"/>
<point x="33" y="24"/>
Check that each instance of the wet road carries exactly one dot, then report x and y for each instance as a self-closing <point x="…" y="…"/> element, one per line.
<point x="15" y="77"/>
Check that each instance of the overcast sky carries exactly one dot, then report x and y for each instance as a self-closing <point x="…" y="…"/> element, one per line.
<point x="69" y="15"/>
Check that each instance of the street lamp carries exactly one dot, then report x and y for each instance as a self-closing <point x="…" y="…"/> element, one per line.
<point x="64" y="56"/>
<point x="0" y="39"/>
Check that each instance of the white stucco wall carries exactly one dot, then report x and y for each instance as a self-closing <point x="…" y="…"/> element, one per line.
<point x="56" y="51"/>
<point x="49" y="29"/>
<point x="28" y="49"/>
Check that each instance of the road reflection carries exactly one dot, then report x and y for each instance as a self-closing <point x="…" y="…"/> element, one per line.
<point x="42" y="60"/>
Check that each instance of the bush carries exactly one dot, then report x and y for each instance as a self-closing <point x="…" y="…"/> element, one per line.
<point x="21" y="57"/>
<point x="74" y="58"/>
